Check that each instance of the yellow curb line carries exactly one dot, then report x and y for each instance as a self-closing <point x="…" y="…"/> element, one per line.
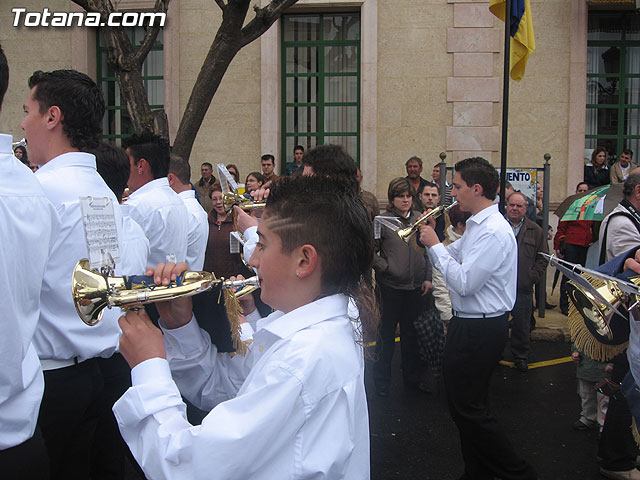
<point x="546" y="363"/>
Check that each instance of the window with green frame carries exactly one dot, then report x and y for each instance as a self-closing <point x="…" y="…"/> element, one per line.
<point x="613" y="83"/>
<point x="321" y="82"/>
<point x="116" y="123"/>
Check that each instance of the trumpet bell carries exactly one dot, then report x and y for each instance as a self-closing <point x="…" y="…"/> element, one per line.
<point x="606" y="326"/>
<point x="90" y="293"/>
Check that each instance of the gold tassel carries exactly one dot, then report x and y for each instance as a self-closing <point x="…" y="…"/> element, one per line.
<point x="584" y="340"/>
<point x="634" y="430"/>
<point x="232" y="306"/>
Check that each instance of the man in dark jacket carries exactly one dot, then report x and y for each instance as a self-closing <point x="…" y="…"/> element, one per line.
<point x="531" y="266"/>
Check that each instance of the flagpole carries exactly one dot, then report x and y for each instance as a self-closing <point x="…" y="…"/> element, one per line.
<point x="505" y="103"/>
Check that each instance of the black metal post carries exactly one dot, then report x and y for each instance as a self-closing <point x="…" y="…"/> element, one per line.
<point x="505" y="103"/>
<point x="542" y="292"/>
<point x="443" y="176"/>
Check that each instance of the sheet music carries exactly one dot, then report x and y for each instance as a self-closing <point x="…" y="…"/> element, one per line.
<point x="101" y="235"/>
<point x="227" y="181"/>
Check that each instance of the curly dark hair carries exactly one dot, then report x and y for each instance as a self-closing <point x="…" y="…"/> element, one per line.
<point x="477" y="170"/>
<point x="332" y="161"/>
<point x="79" y="100"/>
<point x="301" y="209"/>
<point x="153" y="148"/>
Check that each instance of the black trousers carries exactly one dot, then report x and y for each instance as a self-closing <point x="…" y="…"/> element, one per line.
<point x="617" y="447"/>
<point x="403" y="307"/>
<point x="472" y="350"/>
<point x="573" y="254"/>
<point x="521" y="325"/>
<point x="68" y="417"/>
<point x="27" y="461"/>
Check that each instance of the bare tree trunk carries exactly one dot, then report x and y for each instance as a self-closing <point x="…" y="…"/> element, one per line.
<point x="230" y="38"/>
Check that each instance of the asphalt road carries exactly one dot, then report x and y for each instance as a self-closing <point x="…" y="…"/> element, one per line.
<point x="413" y="437"/>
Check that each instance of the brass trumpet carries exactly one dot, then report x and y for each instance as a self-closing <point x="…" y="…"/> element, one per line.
<point x="92" y="292"/>
<point x="230" y="199"/>
<point x="406" y="233"/>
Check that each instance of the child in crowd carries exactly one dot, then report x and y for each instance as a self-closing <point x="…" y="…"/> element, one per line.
<point x="589" y="373"/>
<point x="294" y="406"/>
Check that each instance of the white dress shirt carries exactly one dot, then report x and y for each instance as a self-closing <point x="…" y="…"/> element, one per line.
<point x="61" y="335"/>
<point x="198" y="233"/>
<point x="481" y="268"/>
<point x="163" y="217"/>
<point x="29" y="227"/>
<point x="301" y="411"/>
<point x="135" y="245"/>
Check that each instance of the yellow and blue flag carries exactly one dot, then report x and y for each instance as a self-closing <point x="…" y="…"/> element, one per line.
<point x="523" y="42"/>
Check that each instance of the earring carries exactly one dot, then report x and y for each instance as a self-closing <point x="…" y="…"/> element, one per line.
<point x="298" y="275"/>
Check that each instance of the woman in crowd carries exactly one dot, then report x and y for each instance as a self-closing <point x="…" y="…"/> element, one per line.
<point x="403" y="278"/>
<point x="21" y="154"/>
<point x="253" y="182"/>
<point x="217" y="258"/>
<point x="596" y="172"/>
<point x="235" y="173"/>
<point x="458" y="220"/>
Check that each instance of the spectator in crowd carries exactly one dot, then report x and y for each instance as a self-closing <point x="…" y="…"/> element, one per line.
<point x="253" y="182"/>
<point x="435" y="174"/>
<point x="217" y="258"/>
<point x="293" y="167"/>
<point x="430" y="199"/>
<point x="268" y="164"/>
<point x="154" y="205"/>
<point x="414" y="171"/>
<point x="531" y="266"/>
<point x="198" y="232"/>
<point x="30" y="226"/>
<point x="403" y="278"/>
<point x="203" y="186"/>
<point x="369" y="199"/>
<point x="235" y="173"/>
<point x="623" y="167"/>
<point x="21" y="154"/>
<point x="571" y="242"/>
<point x="596" y="172"/>
<point x="458" y="220"/>
<point x="429" y="196"/>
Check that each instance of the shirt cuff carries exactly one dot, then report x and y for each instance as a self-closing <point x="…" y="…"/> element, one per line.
<point x="435" y="253"/>
<point x="150" y="371"/>
<point x="183" y="341"/>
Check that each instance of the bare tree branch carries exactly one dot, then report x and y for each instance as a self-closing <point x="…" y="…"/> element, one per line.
<point x="221" y="4"/>
<point x="150" y="35"/>
<point x="263" y="20"/>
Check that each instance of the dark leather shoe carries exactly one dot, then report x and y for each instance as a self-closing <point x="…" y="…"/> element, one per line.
<point x="521" y="365"/>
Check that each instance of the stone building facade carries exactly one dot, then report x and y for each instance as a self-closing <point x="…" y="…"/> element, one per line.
<point x="428" y="76"/>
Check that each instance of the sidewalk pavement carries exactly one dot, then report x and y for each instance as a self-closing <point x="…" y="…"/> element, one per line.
<point x="553" y="327"/>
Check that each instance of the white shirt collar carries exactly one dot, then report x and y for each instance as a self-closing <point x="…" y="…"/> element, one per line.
<point x="284" y="325"/>
<point x="483" y="214"/>
<point x="187" y="194"/>
<point x="69" y="159"/>
<point x="153" y="184"/>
